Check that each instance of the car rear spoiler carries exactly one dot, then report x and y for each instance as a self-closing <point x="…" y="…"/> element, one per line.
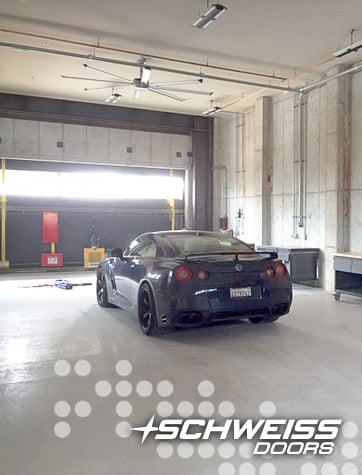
<point x="270" y="255"/>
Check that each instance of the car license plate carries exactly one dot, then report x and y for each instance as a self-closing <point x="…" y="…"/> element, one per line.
<point x="240" y="292"/>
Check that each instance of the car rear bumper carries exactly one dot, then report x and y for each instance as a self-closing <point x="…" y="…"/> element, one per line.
<point x="196" y="318"/>
<point x="194" y="310"/>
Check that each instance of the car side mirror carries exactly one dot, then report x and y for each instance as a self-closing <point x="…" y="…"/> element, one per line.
<point x="117" y="253"/>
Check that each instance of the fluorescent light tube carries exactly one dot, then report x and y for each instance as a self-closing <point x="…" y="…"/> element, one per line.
<point x="146" y="74"/>
<point x="113" y="98"/>
<point x="348" y="49"/>
<point x="211" y="111"/>
<point x="209" y="16"/>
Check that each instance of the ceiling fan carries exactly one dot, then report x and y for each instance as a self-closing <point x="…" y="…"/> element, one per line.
<point x="140" y="84"/>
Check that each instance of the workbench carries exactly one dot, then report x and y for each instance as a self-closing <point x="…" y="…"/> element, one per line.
<point x="348" y="274"/>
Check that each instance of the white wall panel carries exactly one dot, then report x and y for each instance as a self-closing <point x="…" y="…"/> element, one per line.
<point x="75" y="138"/>
<point x="79" y="143"/>
<point x="7" y="137"/>
<point x="312" y="221"/>
<point x="51" y="140"/>
<point x="26" y="138"/>
<point x="160" y="149"/>
<point x="287" y="224"/>
<point x="119" y="142"/>
<point x="180" y="144"/>
<point x="97" y="144"/>
<point x="278" y="219"/>
<point x="141" y="148"/>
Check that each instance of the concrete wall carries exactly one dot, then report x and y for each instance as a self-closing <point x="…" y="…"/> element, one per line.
<point x="38" y="140"/>
<point x="356" y="165"/>
<point x="261" y="150"/>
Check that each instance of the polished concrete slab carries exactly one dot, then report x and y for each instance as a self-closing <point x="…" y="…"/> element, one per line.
<point x="75" y="377"/>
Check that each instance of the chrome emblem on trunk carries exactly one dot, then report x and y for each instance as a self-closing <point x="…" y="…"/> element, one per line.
<point x="239" y="267"/>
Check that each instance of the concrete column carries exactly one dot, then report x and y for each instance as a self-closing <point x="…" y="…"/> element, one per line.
<point x="189" y="196"/>
<point x="338" y="169"/>
<point x="202" y="153"/>
<point x="263" y="166"/>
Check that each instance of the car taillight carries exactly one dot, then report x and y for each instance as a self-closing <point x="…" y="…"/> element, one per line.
<point x="280" y="270"/>
<point x="183" y="274"/>
<point x="203" y="275"/>
<point x="270" y="272"/>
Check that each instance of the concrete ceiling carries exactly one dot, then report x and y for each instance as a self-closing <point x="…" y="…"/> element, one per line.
<point x="280" y="43"/>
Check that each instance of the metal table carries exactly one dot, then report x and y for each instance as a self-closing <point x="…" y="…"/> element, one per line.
<point x="348" y="274"/>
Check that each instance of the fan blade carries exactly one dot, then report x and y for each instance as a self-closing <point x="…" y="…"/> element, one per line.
<point x="96" y="80"/>
<point x="105" y="87"/>
<point x="171" y="96"/>
<point x="175" y="83"/>
<point x="106" y="72"/>
<point x="96" y="88"/>
<point x="188" y="91"/>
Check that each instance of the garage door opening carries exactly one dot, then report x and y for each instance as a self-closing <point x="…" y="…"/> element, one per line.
<point x="115" y="203"/>
<point x="103" y="185"/>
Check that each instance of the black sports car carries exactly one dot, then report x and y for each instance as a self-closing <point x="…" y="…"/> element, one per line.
<point x="191" y="278"/>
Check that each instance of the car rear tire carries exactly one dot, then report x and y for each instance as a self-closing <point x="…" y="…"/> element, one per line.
<point x="147" y="313"/>
<point x="102" y="295"/>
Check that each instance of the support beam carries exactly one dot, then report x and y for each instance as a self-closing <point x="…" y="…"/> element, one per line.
<point x="202" y="154"/>
<point x="338" y="173"/>
<point x="263" y="165"/>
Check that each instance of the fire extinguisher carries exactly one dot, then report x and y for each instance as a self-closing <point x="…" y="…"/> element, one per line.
<point x="224" y="222"/>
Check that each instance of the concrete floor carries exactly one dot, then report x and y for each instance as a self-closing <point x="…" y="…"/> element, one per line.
<point x="58" y="345"/>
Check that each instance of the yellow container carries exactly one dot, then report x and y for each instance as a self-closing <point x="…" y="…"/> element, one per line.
<point x="92" y="257"/>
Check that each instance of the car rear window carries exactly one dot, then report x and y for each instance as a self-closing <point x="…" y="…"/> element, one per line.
<point x="193" y="244"/>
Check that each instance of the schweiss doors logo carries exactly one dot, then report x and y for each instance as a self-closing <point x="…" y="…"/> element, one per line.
<point x="272" y="436"/>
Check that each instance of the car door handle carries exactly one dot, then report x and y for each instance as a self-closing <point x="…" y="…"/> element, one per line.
<point x="132" y="266"/>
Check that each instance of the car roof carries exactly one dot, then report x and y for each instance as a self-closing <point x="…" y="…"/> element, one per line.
<point x="188" y="232"/>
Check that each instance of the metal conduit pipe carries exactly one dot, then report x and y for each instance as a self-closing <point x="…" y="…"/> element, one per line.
<point x="295" y="234"/>
<point x="301" y="152"/>
<point x="303" y="163"/>
<point x="240" y="171"/>
<point x="300" y="170"/>
<point x="322" y="82"/>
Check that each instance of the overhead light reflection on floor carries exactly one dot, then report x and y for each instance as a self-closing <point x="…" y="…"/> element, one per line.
<point x="15" y="351"/>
